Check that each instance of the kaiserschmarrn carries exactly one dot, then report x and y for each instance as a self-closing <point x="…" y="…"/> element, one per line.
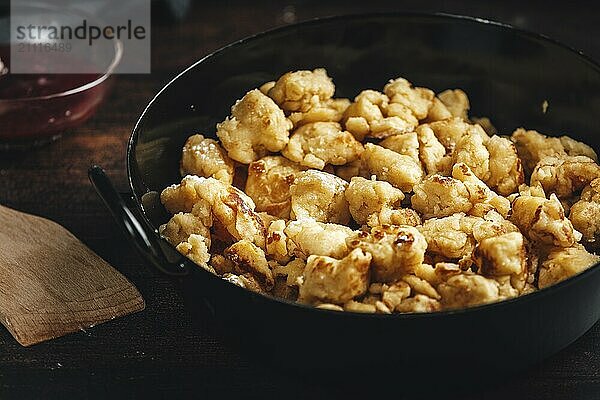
<point x="393" y="201"/>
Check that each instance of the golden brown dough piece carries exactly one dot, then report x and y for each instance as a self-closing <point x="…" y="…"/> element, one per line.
<point x="501" y="255"/>
<point x="543" y="221"/>
<point x="372" y="115"/>
<point x="307" y="236"/>
<point x="229" y="205"/>
<point x="329" y="280"/>
<point x="268" y="184"/>
<point x="418" y="304"/>
<point x="450" y="237"/>
<point x="399" y="170"/>
<point x="196" y="248"/>
<point x="319" y="195"/>
<point x="455" y="237"/>
<point x="316" y="144"/>
<point x="407" y="144"/>
<point x="450" y="131"/>
<point x="276" y="242"/>
<point x="481" y="197"/>
<point x="205" y="157"/>
<point x="564" y="175"/>
<point x="181" y="197"/>
<point x="247" y="258"/>
<point x="438" y="111"/>
<point x="456" y="101"/>
<point x="562" y="263"/>
<point x="331" y="110"/>
<point x="181" y="226"/>
<point x="471" y="150"/>
<point x="468" y="289"/>
<point x="432" y="153"/>
<point x="506" y="171"/>
<point x="366" y="197"/>
<point x="574" y="148"/>
<point x="440" y="196"/>
<point x="405" y="99"/>
<point x="256" y="126"/>
<point x="302" y="90"/>
<point x="585" y="213"/>
<point x="532" y="146"/>
<point x="396" y="250"/>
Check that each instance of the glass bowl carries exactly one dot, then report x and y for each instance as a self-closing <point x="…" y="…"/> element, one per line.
<point x="36" y="108"/>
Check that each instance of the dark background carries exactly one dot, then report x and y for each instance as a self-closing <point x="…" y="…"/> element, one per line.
<point x="165" y="351"/>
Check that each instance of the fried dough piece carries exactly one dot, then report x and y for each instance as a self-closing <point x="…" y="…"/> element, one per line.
<point x="316" y="144"/>
<point x="391" y="216"/>
<point x="440" y="196"/>
<point x="268" y="184"/>
<point x="276" y="243"/>
<point x="307" y="236"/>
<point x="455" y="237"/>
<point x="438" y="111"/>
<point x="562" y="263"/>
<point x="229" y="205"/>
<point x="181" y="226"/>
<point x="292" y="271"/>
<point x="468" y="290"/>
<point x="471" y="150"/>
<point x="565" y="175"/>
<point x="501" y="255"/>
<point x="399" y="170"/>
<point x="532" y="146"/>
<point x="450" y="131"/>
<point x="396" y="250"/>
<point x="450" y="237"/>
<point x="493" y="160"/>
<point x="481" y="197"/>
<point x="543" y="221"/>
<point x="302" y="90"/>
<point x="394" y="294"/>
<point x="413" y="100"/>
<point x="585" y="213"/>
<point x="372" y="115"/>
<point x="205" y="157"/>
<point x="367" y="197"/>
<point x="350" y="170"/>
<point x="574" y="148"/>
<point x="256" y="126"/>
<point x="250" y="259"/>
<point x="181" y="197"/>
<point x="196" y="248"/>
<point x="407" y="144"/>
<point x="319" y="195"/>
<point x="506" y="171"/>
<point x="432" y="153"/>
<point x="456" y="101"/>
<point x="418" y="304"/>
<point x="331" y="110"/>
<point x="326" y="279"/>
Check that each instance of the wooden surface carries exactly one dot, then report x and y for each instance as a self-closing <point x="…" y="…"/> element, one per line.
<point x="52" y="284"/>
<point x="166" y="351"/>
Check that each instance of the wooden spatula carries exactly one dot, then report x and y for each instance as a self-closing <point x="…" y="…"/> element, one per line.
<point x="51" y="284"/>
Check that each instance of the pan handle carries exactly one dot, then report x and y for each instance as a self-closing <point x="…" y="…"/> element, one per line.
<point x="145" y="242"/>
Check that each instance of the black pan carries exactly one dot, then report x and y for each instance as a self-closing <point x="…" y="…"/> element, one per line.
<point x="507" y="73"/>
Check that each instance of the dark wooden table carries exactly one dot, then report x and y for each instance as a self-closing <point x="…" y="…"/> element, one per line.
<point x="165" y="351"/>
